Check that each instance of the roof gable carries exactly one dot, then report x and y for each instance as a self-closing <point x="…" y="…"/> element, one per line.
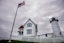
<point x="29" y="20"/>
<point x="22" y="26"/>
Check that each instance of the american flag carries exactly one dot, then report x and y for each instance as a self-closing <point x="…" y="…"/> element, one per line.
<point x="21" y="4"/>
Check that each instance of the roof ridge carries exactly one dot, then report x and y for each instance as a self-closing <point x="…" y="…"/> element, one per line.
<point x="28" y="20"/>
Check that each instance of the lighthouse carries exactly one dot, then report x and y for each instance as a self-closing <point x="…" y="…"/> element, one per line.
<point x="55" y="26"/>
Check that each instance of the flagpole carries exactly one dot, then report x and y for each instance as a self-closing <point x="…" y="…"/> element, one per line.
<point x="13" y="24"/>
<point x="19" y="5"/>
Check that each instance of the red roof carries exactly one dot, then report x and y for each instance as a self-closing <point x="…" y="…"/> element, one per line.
<point x="21" y="27"/>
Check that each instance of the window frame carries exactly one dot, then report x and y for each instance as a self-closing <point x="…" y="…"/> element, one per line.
<point x="29" y="25"/>
<point x="29" y="31"/>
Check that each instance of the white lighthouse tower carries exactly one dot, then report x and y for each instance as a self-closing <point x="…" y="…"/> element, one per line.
<point x="55" y="27"/>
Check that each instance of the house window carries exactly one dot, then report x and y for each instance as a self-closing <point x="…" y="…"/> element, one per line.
<point x="29" y="31"/>
<point x="20" y="32"/>
<point x="46" y="35"/>
<point x="29" y="25"/>
<point x="60" y="33"/>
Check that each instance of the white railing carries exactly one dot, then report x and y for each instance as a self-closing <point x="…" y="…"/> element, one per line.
<point x="39" y="39"/>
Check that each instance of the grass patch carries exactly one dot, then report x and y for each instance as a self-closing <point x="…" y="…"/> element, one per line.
<point x="14" y="41"/>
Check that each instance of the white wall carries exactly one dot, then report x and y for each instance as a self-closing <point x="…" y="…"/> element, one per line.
<point x="33" y="29"/>
<point x="56" y="28"/>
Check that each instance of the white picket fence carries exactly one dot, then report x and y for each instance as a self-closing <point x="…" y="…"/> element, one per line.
<point x="39" y="39"/>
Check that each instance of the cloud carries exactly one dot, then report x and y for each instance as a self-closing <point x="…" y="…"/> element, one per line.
<point x="40" y="11"/>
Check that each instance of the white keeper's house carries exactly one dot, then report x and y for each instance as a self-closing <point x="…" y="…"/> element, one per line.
<point x="28" y="29"/>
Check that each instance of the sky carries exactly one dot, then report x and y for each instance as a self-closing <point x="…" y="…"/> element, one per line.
<point x="40" y="11"/>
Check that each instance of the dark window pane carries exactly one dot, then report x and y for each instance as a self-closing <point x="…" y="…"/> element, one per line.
<point x="29" y="25"/>
<point x="29" y="31"/>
